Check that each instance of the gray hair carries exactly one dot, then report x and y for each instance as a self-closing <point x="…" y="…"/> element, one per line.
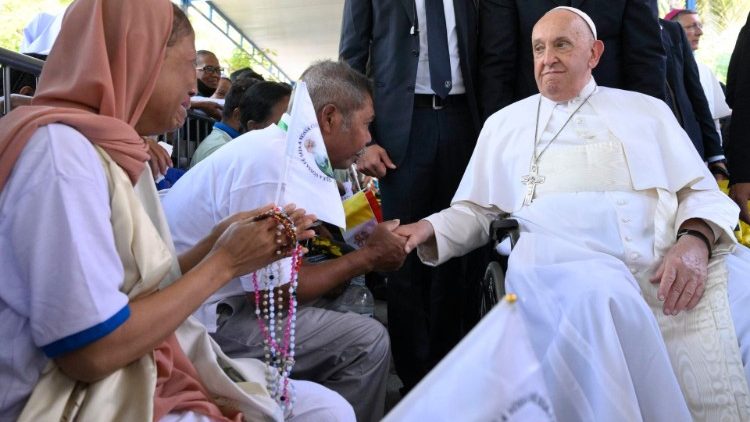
<point x="336" y="83"/>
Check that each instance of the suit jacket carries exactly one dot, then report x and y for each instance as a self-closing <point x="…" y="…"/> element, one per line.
<point x="738" y="97"/>
<point x="633" y="56"/>
<point x="376" y="39"/>
<point x="685" y="95"/>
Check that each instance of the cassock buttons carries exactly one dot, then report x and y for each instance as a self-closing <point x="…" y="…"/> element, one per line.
<point x="621" y="202"/>
<point x="633" y="270"/>
<point x="625" y="220"/>
<point x="447" y="84"/>
<point x="635" y="255"/>
<point x="628" y="238"/>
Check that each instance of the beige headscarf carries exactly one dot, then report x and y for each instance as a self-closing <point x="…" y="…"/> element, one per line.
<point x="97" y="79"/>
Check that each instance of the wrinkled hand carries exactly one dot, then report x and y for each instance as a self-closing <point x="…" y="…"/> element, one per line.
<point x="302" y="222"/>
<point x="160" y="160"/>
<point x="247" y="245"/>
<point x="386" y="247"/>
<point x="740" y="193"/>
<point x="682" y="275"/>
<point x="209" y="107"/>
<point x="375" y="162"/>
<point x="416" y="234"/>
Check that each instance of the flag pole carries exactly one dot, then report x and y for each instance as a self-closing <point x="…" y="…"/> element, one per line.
<point x="277" y="197"/>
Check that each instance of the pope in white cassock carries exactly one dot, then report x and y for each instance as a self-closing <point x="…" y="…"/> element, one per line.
<point x="621" y="266"/>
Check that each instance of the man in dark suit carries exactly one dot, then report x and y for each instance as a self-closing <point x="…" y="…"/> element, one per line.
<point x="633" y="55"/>
<point x="422" y="57"/>
<point x="686" y="98"/>
<point x="738" y="97"/>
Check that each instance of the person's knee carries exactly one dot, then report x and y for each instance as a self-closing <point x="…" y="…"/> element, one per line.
<point x="373" y="339"/>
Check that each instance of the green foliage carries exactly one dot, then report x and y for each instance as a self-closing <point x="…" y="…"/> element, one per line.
<point x="239" y="59"/>
<point x="722" y="20"/>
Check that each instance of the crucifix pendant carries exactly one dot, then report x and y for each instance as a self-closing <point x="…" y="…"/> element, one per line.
<point x="531" y="180"/>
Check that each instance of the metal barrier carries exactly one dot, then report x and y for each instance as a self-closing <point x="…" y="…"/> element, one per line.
<point x="12" y="60"/>
<point x="184" y="140"/>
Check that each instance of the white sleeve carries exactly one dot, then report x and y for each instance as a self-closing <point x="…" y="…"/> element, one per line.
<point x="713" y="207"/>
<point x="458" y="230"/>
<point x="65" y="272"/>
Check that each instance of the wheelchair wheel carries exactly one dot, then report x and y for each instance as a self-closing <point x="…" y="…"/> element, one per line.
<point x="493" y="288"/>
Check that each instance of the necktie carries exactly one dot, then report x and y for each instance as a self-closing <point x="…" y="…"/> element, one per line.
<point x="437" y="48"/>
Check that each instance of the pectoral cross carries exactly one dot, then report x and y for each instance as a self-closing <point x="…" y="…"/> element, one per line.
<point x="531" y="180"/>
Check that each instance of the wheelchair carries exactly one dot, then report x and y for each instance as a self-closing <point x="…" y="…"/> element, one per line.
<point x="492" y="285"/>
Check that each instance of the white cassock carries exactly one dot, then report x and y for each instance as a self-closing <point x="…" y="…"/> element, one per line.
<point x="621" y="178"/>
<point x="717" y="102"/>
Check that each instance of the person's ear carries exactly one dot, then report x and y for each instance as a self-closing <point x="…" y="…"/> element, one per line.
<point x="26" y="90"/>
<point x="596" y="53"/>
<point x="328" y="118"/>
<point x="236" y="114"/>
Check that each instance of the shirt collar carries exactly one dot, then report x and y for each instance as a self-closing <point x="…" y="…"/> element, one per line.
<point x="228" y="129"/>
<point x="589" y="88"/>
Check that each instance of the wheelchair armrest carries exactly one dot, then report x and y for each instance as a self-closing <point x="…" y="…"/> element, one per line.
<point x="502" y="228"/>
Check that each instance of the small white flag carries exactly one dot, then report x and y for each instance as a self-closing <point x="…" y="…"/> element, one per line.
<point x="308" y="178"/>
<point x="491" y="375"/>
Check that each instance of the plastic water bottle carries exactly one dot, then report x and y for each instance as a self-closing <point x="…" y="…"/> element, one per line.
<point x="357" y="298"/>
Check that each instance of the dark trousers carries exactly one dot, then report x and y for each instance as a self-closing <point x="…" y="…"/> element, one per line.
<point x="425" y="304"/>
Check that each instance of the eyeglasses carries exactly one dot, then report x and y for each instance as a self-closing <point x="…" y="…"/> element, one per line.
<point x="210" y="69"/>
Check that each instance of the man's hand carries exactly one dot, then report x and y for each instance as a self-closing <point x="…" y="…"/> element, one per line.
<point x="375" y="162"/>
<point x="209" y="107"/>
<point x="740" y="193"/>
<point x="682" y="275"/>
<point x="719" y="170"/>
<point x="160" y="160"/>
<point x="416" y="234"/>
<point x="385" y="247"/>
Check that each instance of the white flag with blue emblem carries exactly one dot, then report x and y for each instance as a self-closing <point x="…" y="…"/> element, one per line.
<point x="308" y="178"/>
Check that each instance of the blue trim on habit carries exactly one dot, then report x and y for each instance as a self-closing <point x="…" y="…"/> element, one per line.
<point x="87" y="336"/>
<point x="228" y="129"/>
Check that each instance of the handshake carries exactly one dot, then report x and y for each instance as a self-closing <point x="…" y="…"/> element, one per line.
<point x="390" y="242"/>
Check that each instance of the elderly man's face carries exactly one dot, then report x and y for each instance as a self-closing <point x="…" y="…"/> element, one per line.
<point x="565" y="52"/>
<point x="208" y="70"/>
<point x="693" y="28"/>
<point x="344" y="142"/>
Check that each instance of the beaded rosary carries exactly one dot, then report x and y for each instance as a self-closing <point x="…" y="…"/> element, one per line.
<point x="278" y="335"/>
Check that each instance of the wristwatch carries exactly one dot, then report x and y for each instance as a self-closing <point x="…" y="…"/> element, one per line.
<point x="716" y="169"/>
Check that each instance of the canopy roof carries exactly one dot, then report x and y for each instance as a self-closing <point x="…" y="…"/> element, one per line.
<point x="297" y="32"/>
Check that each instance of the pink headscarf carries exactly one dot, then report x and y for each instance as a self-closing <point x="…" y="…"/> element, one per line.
<point x="97" y="79"/>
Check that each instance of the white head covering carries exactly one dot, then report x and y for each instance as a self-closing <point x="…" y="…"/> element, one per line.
<point x="40" y="34"/>
<point x="583" y="16"/>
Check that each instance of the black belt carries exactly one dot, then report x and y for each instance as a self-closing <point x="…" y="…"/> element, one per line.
<point x="435" y="102"/>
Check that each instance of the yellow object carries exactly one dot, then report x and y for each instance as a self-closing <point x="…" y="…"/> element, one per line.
<point x="511" y="298"/>
<point x="743" y="232"/>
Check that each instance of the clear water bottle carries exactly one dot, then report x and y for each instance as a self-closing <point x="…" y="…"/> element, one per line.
<point x="356" y="298"/>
